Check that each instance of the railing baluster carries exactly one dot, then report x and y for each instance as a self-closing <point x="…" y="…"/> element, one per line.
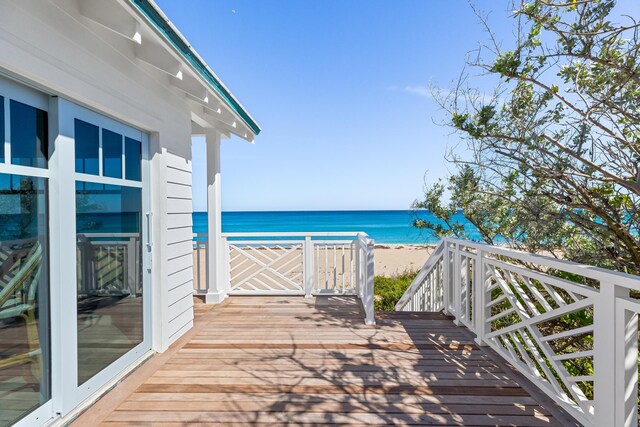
<point x="463" y="277"/>
<point x="326" y="266"/>
<point x="343" y="271"/>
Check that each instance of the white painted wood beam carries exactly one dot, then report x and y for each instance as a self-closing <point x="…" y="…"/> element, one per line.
<point x="159" y="58"/>
<point x="211" y="103"/>
<point x="208" y="123"/>
<point x="112" y="16"/>
<point x="191" y="86"/>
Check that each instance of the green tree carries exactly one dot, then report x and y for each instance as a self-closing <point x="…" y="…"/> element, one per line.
<point x="554" y="161"/>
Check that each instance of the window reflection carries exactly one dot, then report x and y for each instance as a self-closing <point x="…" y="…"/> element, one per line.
<point x="2" y="137"/>
<point x="112" y="154"/>
<point x="109" y="267"/>
<point x="24" y="307"/>
<point x="29" y="138"/>
<point x="87" y="139"/>
<point x="133" y="159"/>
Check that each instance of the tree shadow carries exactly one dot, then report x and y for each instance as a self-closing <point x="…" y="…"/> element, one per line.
<point x="324" y="366"/>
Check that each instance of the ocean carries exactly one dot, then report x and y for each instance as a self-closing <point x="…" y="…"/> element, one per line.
<point x="393" y="227"/>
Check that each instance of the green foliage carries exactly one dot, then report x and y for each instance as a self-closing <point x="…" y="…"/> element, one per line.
<point x="388" y="290"/>
<point x="553" y="163"/>
<point x="554" y="160"/>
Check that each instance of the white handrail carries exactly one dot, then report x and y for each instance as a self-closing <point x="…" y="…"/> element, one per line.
<point x="296" y="234"/>
<point x="418" y="283"/>
<point x="293" y="263"/>
<point x="508" y="307"/>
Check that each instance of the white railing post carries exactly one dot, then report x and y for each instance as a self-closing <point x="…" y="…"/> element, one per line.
<point x="358" y="266"/>
<point x="457" y="288"/>
<point x="366" y="290"/>
<point x="226" y="266"/>
<point x="308" y="267"/>
<point x="627" y="367"/>
<point x="446" y="273"/>
<point x="609" y="357"/>
<point x="480" y="310"/>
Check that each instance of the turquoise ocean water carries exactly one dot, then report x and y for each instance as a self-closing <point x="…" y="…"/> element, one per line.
<point x="383" y="226"/>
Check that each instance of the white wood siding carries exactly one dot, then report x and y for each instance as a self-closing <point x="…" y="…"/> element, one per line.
<point x="178" y="249"/>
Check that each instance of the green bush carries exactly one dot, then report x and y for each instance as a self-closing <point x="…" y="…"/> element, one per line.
<point x="388" y="290"/>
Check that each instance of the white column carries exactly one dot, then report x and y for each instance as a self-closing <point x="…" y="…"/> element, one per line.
<point x="217" y="283"/>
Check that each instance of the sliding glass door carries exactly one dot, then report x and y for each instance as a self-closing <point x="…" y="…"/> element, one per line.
<point x="111" y="205"/>
<point x="25" y="351"/>
<point x="74" y="253"/>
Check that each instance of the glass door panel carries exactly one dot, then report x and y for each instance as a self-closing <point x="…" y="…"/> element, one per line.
<point x="24" y="315"/>
<point x="109" y="271"/>
<point x="110" y="274"/>
<point x="25" y="357"/>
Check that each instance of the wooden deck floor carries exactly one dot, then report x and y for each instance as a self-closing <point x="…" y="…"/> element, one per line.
<point x="277" y="360"/>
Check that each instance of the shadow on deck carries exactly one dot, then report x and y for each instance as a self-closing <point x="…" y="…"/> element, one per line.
<point x="289" y="360"/>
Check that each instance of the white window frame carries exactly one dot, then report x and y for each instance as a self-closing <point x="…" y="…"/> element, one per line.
<point x="11" y="90"/>
<point x="71" y="394"/>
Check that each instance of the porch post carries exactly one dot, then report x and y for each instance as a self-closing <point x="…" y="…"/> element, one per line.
<point x="217" y="285"/>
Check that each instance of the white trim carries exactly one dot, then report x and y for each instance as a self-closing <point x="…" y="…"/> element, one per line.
<point x="7" y="129"/>
<point x="296" y="234"/>
<point x="7" y="168"/>
<point x="95" y="179"/>
<point x="37" y="417"/>
<point x="20" y="92"/>
<point x="67" y="395"/>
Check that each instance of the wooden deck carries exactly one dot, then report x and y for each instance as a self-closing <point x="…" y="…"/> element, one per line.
<point x="289" y="360"/>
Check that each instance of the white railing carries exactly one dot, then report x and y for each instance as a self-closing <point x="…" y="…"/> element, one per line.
<point x="572" y="329"/>
<point x="109" y="262"/>
<point x="331" y="263"/>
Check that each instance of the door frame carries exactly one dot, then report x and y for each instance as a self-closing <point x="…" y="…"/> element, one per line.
<point x="67" y="393"/>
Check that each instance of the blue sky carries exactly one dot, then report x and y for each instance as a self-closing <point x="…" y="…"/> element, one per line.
<point x="339" y="89"/>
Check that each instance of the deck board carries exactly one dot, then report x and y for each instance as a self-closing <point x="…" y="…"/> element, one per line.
<point x="288" y="360"/>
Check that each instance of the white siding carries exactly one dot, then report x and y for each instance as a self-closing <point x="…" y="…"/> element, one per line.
<point x="178" y="252"/>
<point x="50" y="45"/>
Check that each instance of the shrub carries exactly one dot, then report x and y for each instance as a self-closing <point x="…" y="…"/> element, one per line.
<point x="388" y="290"/>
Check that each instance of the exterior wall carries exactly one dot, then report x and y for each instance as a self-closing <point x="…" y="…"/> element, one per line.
<point x="49" y="45"/>
<point x="179" y="254"/>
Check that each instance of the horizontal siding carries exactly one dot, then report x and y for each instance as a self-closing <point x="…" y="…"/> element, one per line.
<point x="179" y="220"/>
<point x="180" y="205"/>
<point x="180" y="234"/>
<point x="177" y="176"/>
<point x="178" y="191"/>
<point x="179" y="322"/>
<point x="180" y="306"/>
<point x="177" y="162"/>
<point x="180" y="263"/>
<point x="181" y="331"/>
<point x="182" y="291"/>
<point x="179" y="248"/>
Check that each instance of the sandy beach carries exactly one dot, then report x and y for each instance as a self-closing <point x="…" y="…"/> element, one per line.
<point x="392" y="260"/>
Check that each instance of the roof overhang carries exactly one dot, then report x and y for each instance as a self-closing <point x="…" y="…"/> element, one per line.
<point x="158" y="43"/>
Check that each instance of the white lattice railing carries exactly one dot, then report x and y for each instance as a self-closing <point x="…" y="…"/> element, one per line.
<point x="293" y="264"/>
<point x="572" y="329"/>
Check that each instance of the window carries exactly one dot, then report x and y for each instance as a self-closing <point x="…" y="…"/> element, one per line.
<point x="2" y="129"/>
<point x="87" y="142"/>
<point x="29" y="138"/>
<point x="111" y="154"/>
<point x="133" y="159"/>
<point x="25" y="352"/>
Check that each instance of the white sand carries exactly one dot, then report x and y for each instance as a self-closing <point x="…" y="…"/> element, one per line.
<point x="392" y="260"/>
